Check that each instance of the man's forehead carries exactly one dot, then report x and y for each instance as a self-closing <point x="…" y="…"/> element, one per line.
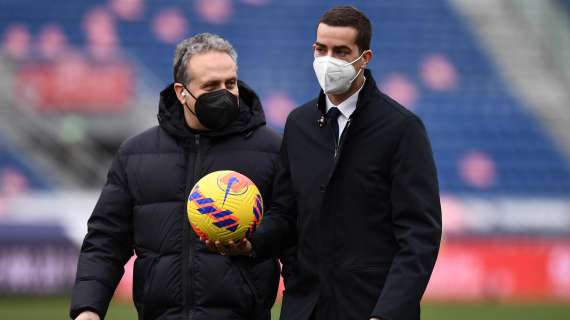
<point x="336" y="36"/>
<point x="212" y="66"/>
<point x="217" y="75"/>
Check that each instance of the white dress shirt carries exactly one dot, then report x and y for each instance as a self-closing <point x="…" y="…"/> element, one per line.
<point x="346" y="109"/>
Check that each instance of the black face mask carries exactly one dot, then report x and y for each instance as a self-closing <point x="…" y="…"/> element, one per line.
<point x="215" y="110"/>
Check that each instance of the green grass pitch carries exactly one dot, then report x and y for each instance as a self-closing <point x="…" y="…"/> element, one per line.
<point x="48" y="308"/>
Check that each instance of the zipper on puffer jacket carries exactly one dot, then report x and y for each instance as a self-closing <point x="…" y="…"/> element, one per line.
<point x="186" y="247"/>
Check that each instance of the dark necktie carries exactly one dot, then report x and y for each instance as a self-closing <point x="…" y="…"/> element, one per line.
<point x="333" y="115"/>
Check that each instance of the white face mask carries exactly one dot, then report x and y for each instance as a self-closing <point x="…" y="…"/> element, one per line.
<point x="335" y="76"/>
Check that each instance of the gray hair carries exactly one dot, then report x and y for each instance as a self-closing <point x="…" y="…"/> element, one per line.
<point x="200" y="43"/>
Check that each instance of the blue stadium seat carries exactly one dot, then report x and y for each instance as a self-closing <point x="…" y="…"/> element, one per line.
<point x="15" y="163"/>
<point x="478" y="114"/>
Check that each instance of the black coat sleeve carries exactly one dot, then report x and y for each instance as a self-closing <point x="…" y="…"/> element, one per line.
<point x="107" y="246"/>
<point x="416" y="221"/>
<point x="276" y="233"/>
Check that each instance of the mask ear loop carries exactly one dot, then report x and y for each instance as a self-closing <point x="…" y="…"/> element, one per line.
<point x="360" y="56"/>
<point x="187" y="90"/>
<point x="356" y="76"/>
<point x="358" y="73"/>
<point x="187" y="107"/>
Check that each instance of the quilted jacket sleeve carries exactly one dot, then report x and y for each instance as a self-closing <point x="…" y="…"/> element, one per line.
<point x="107" y="246"/>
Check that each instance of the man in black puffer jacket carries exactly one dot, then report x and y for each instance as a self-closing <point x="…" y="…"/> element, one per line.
<point x="208" y="121"/>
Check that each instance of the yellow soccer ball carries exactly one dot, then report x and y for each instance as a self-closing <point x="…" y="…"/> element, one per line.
<point x="224" y="205"/>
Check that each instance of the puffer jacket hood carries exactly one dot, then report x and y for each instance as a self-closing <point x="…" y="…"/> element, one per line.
<point x="171" y="114"/>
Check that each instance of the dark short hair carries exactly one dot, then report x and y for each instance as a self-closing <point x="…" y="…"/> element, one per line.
<point x="347" y="16"/>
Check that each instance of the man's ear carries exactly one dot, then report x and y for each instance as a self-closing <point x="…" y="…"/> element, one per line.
<point x="366" y="57"/>
<point x="180" y="92"/>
